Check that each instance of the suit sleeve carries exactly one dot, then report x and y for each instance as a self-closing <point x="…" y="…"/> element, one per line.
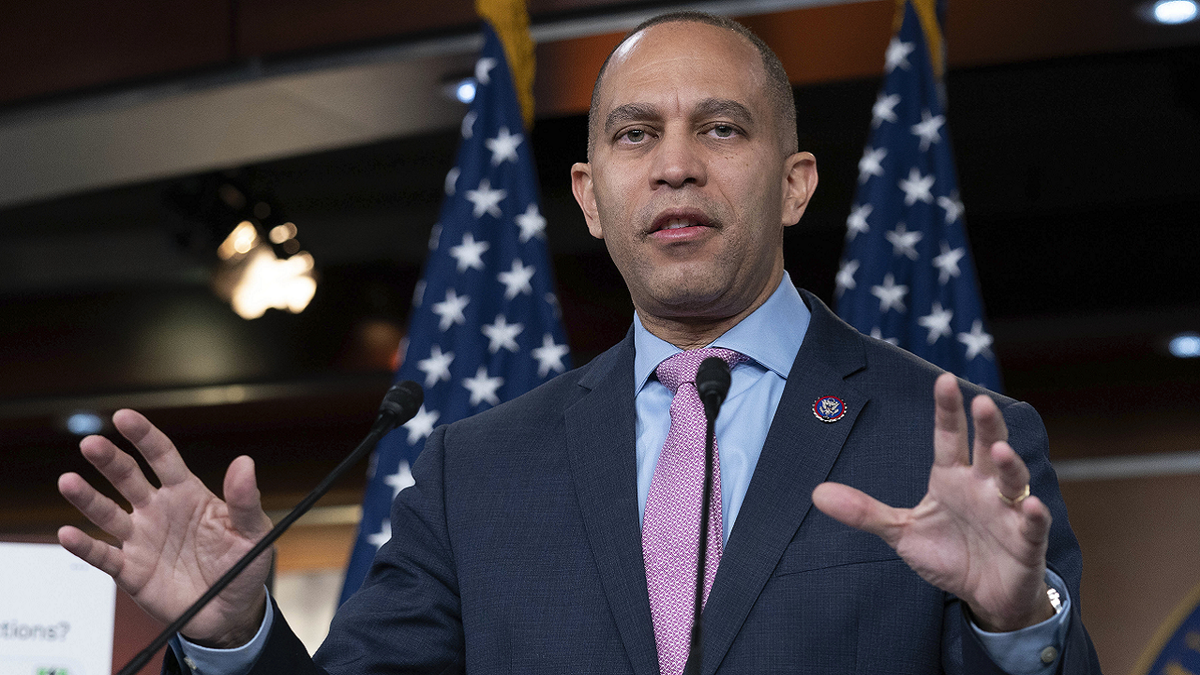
<point x="1027" y="435"/>
<point x="407" y="616"/>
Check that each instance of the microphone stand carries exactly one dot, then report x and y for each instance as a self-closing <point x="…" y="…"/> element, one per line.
<point x="712" y="384"/>
<point x="399" y="405"/>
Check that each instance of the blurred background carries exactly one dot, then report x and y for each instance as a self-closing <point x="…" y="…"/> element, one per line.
<point x="135" y="135"/>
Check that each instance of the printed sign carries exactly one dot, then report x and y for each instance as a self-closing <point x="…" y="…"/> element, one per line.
<point x="56" y="613"/>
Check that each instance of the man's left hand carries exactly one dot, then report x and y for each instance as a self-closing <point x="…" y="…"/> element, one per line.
<point x="973" y="534"/>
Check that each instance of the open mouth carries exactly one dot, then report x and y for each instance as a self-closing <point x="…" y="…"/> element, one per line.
<point x="678" y="220"/>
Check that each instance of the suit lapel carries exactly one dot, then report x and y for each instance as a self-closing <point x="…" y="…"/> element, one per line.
<point x="798" y="454"/>
<point x="600" y="442"/>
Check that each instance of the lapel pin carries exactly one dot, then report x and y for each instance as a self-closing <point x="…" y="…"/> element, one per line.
<point x="829" y="408"/>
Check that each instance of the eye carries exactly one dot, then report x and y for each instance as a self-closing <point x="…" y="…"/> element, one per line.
<point x="634" y="135"/>
<point x="724" y="130"/>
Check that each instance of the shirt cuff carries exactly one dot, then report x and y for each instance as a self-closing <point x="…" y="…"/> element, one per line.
<point x="208" y="661"/>
<point x="1034" y="650"/>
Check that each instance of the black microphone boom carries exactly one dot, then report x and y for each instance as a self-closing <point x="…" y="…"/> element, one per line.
<point x="712" y="383"/>
<point x="399" y="405"/>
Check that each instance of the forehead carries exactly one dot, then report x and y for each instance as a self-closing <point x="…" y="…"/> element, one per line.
<point x="681" y="61"/>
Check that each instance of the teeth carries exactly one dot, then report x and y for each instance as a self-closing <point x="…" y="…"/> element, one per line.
<point x="675" y="224"/>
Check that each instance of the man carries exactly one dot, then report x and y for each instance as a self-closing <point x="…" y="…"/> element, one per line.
<point x="530" y="541"/>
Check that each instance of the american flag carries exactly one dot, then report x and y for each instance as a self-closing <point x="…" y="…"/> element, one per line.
<point x="906" y="274"/>
<point x="485" y="325"/>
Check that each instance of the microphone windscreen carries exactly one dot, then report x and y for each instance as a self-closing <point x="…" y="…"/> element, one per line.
<point x="402" y="401"/>
<point x="712" y="379"/>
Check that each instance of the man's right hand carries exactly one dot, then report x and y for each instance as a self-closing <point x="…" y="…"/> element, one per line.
<point x="179" y="538"/>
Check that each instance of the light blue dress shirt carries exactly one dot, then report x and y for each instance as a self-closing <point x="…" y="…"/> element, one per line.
<point x="771" y="337"/>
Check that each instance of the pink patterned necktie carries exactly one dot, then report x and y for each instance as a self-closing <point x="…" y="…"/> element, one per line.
<point x="671" y="525"/>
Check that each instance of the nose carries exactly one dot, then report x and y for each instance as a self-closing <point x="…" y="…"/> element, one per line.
<point x="678" y="161"/>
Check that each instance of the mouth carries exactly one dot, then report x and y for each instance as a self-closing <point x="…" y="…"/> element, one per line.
<point x="674" y="220"/>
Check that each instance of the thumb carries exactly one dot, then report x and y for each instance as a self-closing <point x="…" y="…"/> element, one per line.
<point x="857" y="509"/>
<point x="243" y="498"/>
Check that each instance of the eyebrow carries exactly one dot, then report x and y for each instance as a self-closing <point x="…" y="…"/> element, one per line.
<point x="631" y="112"/>
<point x="707" y="108"/>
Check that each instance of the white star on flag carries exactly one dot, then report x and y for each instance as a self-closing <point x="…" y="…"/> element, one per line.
<point x="532" y="224"/>
<point x="845" y="276"/>
<point x="451" y="180"/>
<point x="549" y="356"/>
<point x="435" y="237"/>
<point x="469" y="253"/>
<point x="437" y="366"/>
<point x="382" y="536"/>
<point x="421" y="425"/>
<point x="890" y="294"/>
<point x="937" y="321"/>
<point x="483" y="388"/>
<point x="878" y="335"/>
<point x="927" y="129"/>
<point x="419" y="293"/>
<point x="403" y="478"/>
<point x="897" y="54"/>
<point x="503" y="146"/>
<point x="953" y="206"/>
<point x="516" y="280"/>
<point x="856" y="224"/>
<point x="916" y="187"/>
<point x="903" y="241"/>
<point x="483" y="70"/>
<point x="451" y="309"/>
<point x="467" y="128"/>
<point x="977" y="341"/>
<point x="485" y="199"/>
<point x="947" y="262"/>
<point x="871" y="163"/>
<point x="502" y="334"/>
<point x="884" y="109"/>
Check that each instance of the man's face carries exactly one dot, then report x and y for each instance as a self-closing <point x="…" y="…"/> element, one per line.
<point x="688" y="183"/>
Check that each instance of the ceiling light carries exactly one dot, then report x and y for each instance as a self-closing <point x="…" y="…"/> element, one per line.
<point x="84" y="423"/>
<point x="1185" y="345"/>
<point x="1171" y="12"/>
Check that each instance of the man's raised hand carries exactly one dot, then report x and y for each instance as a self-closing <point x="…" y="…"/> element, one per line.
<point x="178" y="539"/>
<point x="963" y="537"/>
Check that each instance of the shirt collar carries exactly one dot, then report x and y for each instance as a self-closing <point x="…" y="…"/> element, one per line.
<point x="771" y="335"/>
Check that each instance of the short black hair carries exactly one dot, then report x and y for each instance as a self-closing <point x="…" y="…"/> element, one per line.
<point x="779" y="87"/>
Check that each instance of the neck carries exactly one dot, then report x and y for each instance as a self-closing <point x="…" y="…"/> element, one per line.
<point x="695" y="331"/>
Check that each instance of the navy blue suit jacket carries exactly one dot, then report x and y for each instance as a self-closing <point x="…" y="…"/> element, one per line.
<point x="519" y="551"/>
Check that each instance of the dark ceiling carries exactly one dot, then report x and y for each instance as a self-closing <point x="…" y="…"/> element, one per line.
<point x="1079" y="177"/>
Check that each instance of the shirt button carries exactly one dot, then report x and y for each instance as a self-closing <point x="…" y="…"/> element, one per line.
<point x="1048" y="655"/>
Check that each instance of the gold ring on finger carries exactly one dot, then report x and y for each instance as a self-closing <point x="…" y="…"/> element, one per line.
<point x="1013" y="501"/>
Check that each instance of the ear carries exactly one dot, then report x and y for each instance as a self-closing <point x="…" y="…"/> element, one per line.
<point x="799" y="183"/>
<point x="585" y="195"/>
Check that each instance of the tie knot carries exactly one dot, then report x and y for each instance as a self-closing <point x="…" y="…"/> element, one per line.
<point x="682" y="367"/>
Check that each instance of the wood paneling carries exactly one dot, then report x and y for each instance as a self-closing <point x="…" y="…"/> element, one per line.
<point x="59" y="45"/>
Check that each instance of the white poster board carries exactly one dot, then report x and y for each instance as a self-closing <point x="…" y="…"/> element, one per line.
<point x="56" y="613"/>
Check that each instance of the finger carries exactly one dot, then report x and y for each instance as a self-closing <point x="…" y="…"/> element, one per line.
<point x="1011" y="473"/>
<point x="118" y="467"/>
<point x="102" y="511"/>
<point x="94" y="552"/>
<point x="154" y="445"/>
<point x="243" y="498"/>
<point x="1036" y="526"/>
<point x="949" y="424"/>
<point x="859" y="510"/>
<point x="989" y="430"/>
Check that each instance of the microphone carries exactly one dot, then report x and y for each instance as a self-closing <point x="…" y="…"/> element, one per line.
<point x="712" y="383"/>
<point x="399" y="405"/>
